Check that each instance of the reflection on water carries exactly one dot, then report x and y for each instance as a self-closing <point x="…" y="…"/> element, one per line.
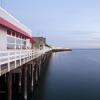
<point x="71" y="75"/>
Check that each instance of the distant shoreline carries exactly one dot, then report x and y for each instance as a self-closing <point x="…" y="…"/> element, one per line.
<point x="61" y="50"/>
<point x="86" y="49"/>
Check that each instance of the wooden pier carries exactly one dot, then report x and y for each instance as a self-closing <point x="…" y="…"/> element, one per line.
<point x="21" y="58"/>
<point x="20" y="72"/>
<point x="23" y="79"/>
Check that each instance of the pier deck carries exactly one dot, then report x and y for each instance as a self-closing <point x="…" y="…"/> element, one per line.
<point x="10" y="60"/>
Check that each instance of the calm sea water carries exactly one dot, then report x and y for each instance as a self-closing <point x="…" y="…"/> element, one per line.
<point x="73" y="75"/>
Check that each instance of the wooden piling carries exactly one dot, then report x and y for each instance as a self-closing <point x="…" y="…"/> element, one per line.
<point x="24" y="82"/>
<point x="9" y="84"/>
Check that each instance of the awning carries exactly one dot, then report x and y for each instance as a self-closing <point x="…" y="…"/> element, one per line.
<point x="9" y="25"/>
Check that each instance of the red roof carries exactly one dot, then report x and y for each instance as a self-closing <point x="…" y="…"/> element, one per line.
<point x="9" y="25"/>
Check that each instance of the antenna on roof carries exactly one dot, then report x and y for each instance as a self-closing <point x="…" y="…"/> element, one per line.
<point x="42" y="34"/>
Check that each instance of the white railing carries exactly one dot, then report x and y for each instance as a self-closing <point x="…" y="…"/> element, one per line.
<point x="23" y="56"/>
<point x="9" y="56"/>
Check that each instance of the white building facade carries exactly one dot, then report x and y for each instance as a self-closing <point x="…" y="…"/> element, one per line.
<point x="13" y="34"/>
<point x="15" y="43"/>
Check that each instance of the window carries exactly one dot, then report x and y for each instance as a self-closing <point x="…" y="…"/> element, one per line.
<point x="18" y="41"/>
<point x="15" y="42"/>
<point x="10" y="39"/>
<point x="18" y="46"/>
<point x="23" y="44"/>
<point x="10" y="46"/>
<point x="10" y="42"/>
<point x="23" y="47"/>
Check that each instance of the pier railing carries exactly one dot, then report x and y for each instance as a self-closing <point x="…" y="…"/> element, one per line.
<point x="12" y="59"/>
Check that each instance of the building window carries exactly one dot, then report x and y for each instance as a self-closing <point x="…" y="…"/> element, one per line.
<point x="10" y="42"/>
<point x="10" y="39"/>
<point x="10" y="46"/>
<point x="18" y="46"/>
<point x="23" y="44"/>
<point x="18" y="41"/>
<point x="15" y="42"/>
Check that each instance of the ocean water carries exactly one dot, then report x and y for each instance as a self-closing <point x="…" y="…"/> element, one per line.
<point x="71" y="75"/>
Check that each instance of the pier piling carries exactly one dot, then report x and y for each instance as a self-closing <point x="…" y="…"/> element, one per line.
<point x="23" y="80"/>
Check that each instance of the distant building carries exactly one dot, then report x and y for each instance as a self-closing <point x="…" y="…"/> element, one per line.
<point x="40" y="43"/>
<point x="13" y="34"/>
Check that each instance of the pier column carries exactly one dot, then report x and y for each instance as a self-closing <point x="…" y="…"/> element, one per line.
<point x="24" y="82"/>
<point x="44" y="58"/>
<point x="29" y="79"/>
<point x="40" y="65"/>
<point x="9" y="84"/>
<point x="37" y="70"/>
<point x="3" y="87"/>
<point x="33" y="82"/>
<point x="14" y="85"/>
<point x="20" y="84"/>
<point x="34" y="76"/>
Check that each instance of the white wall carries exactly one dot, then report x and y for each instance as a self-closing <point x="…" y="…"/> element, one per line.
<point x="3" y="38"/>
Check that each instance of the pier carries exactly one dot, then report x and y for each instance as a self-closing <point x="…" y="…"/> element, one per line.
<point x="23" y="72"/>
<point x="21" y="57"/>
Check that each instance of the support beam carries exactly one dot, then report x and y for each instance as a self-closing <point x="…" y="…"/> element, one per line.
<point x="34" y="76"/>
<point x="9" y="84"/>
<point x="29" y="79"/>
<point x="24" y="82"/>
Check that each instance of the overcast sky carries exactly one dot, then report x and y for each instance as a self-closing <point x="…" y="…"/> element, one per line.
<point x="68" y="23"/>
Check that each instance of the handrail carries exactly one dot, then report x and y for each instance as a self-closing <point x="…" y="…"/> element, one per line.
<point x="13" y="55"/>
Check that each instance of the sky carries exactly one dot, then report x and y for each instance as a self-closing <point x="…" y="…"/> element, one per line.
<point x="66" y="23"/>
